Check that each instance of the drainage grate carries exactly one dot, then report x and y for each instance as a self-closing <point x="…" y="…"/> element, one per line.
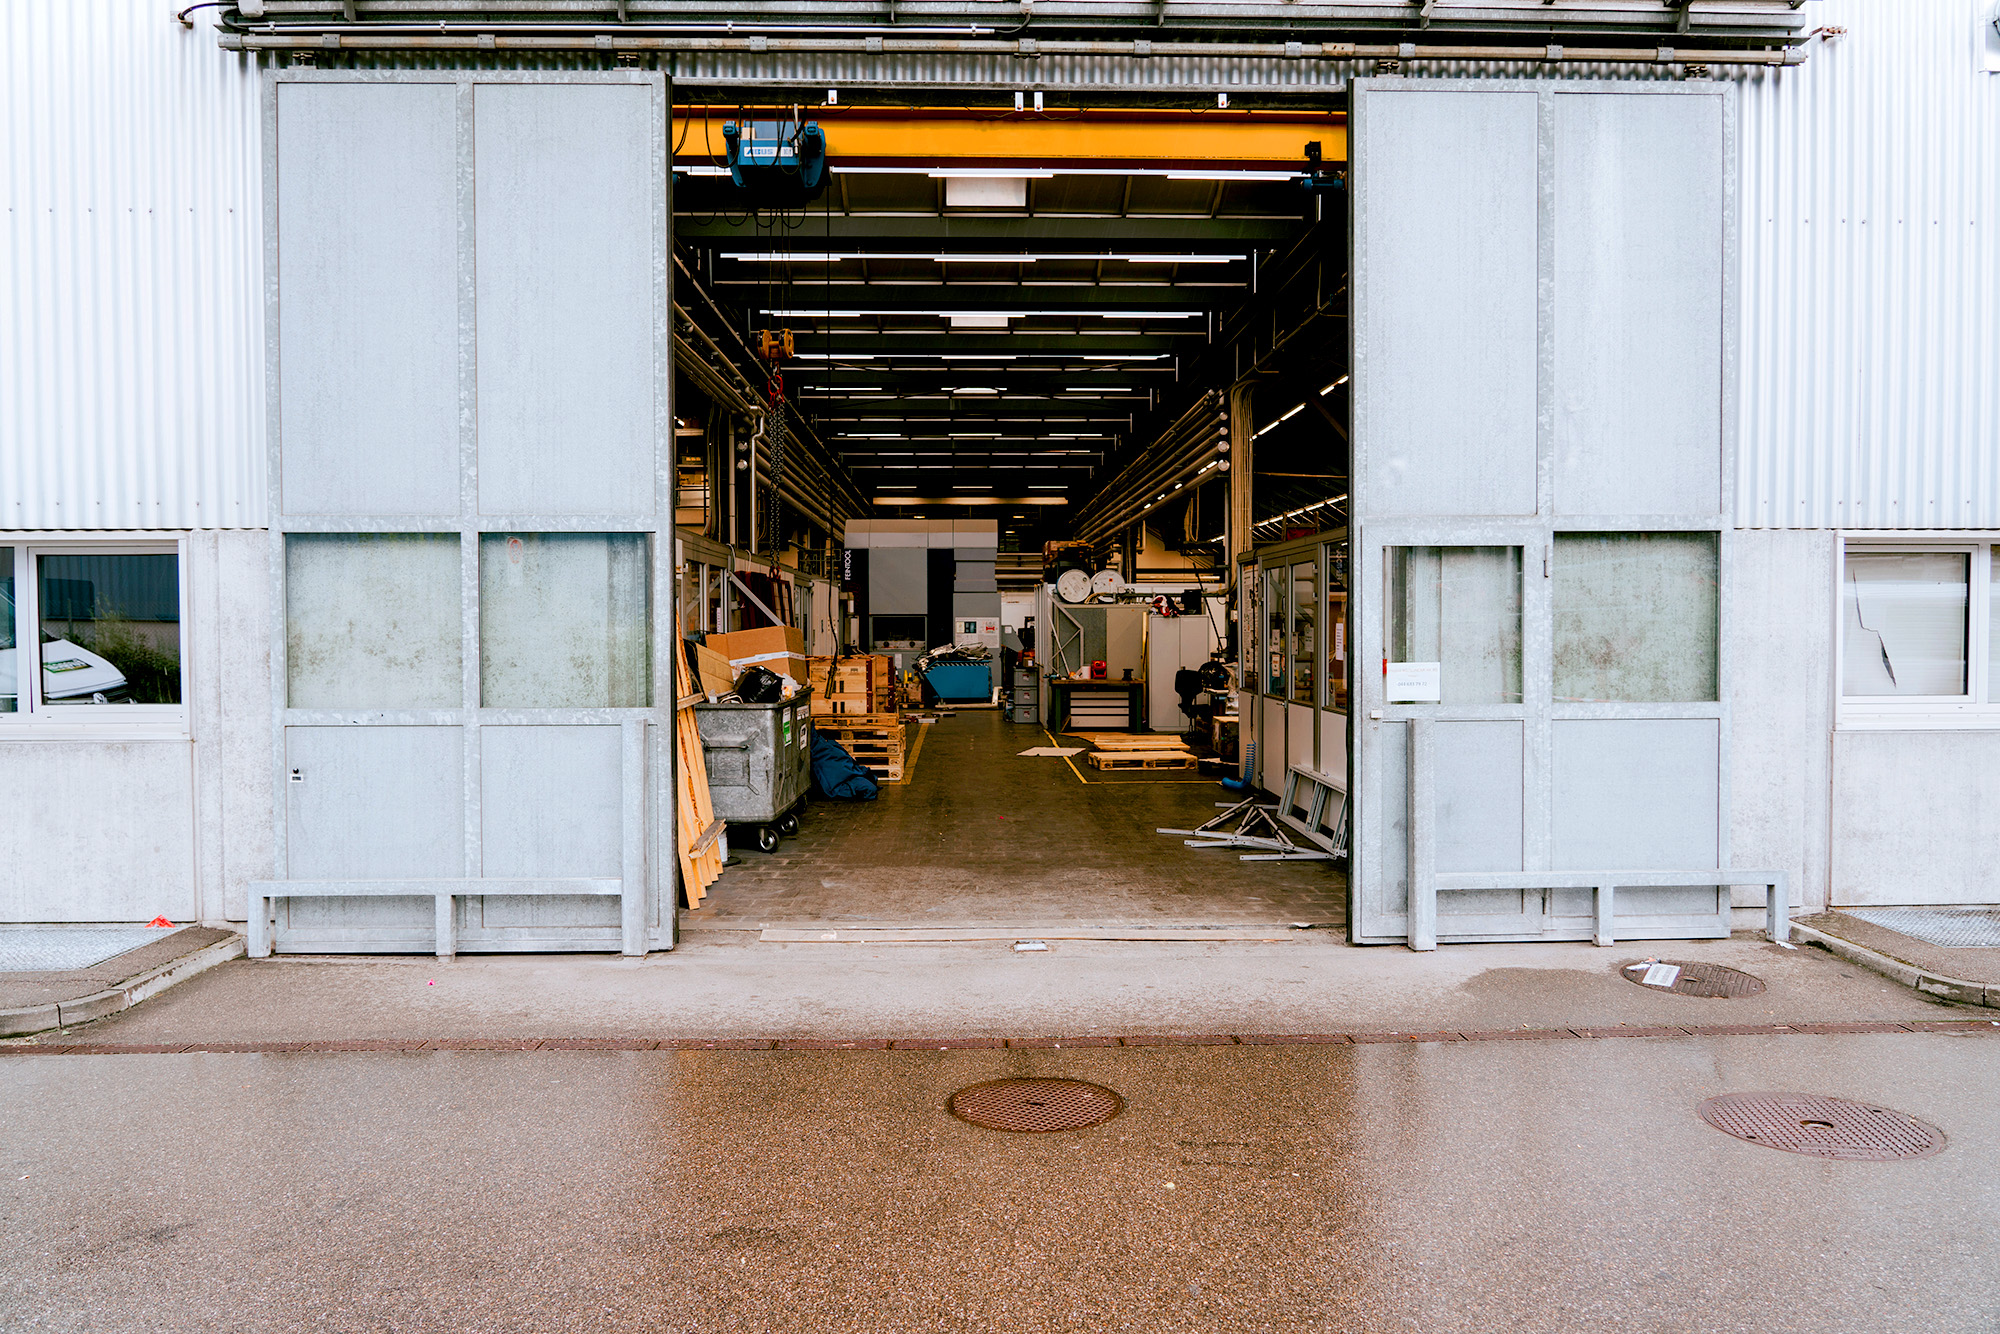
<point x="1953" y="928"/>
<point x="1693" y="979"/>
<point x="1822" y="1127"/>
<point x="1035" y="1106"/>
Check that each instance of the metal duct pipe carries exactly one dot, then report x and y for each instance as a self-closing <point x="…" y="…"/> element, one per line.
<point x="616" y="38"/>
<point x="1192" y="436"/>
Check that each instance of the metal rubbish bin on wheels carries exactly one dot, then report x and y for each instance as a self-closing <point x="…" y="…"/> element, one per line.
<point x="759" y="763"/>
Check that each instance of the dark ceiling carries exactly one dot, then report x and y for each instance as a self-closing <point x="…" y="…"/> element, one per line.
<point x="963" y="351"/>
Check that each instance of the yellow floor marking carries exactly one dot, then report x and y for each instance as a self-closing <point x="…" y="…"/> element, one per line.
<point x="1066" y="759"/>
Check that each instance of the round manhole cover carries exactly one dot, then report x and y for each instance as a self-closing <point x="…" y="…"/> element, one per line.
<point x="1692" y="979"/>
<point x="1823" y="1127"/>
<point x="1035" y="1105"/>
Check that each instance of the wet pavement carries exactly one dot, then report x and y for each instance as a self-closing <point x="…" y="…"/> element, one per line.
<point x="1415" y="1186"/>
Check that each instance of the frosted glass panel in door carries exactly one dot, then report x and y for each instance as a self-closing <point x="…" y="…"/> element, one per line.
<point x="563" y="621"/>
<point x="1904" y="623"/>
<point x="1459" y="607"/>
<point x="1635" y="617"/>
<point x="373" y="621"/>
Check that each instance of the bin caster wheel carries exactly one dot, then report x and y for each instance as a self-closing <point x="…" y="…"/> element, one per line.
<point x="767" y="838"/>
<point x="788" y="825"/>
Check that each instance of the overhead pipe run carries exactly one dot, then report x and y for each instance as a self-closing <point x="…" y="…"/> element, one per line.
<point x="615" y="39"/>
<point x="1195" y="444"/>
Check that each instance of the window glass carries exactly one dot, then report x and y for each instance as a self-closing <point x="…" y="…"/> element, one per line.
<point x="1305" y="627"/>
<point x="1904" y="617"/>
<point x="1454" y="625"/>
<point x="1635" y="617"/>
<point x="373" y="621"/>
<point x="1992" y="630"/>
<point x="1337" y="651"/>
<point x="1275" y="637"/>
<point x="10" y="696"/>
<point x="110" y="628"/>
<point x="563" y="621"/>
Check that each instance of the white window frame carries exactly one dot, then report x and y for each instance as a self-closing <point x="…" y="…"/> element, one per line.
<point x="37" y="720"/>
<point x="1971" y="710"/>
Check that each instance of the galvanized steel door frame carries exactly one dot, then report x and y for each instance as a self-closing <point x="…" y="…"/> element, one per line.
<point x="1374" y="918"/>
<point x="645" y="886"/>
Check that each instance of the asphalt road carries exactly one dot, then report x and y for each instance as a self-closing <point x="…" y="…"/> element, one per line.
<point x="1484" y="1186"/>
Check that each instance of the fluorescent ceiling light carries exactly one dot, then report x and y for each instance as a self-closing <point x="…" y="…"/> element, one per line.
<point x="826" y="257"/>
<point x="1232" y="175"/>
<point x="824" y="314"/>
<point x="1335" y="385"/>
<point x="977" y="500"/>
<point x="1133" y="356"/>
<point x="990" y="173"/>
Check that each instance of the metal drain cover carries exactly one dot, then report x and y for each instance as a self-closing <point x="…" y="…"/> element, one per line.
<point x="1823" y="1127"/>
<point x="1035" y="1106"/>
<point x="1693" y="979"/>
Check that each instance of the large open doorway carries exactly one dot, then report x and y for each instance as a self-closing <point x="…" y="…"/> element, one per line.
<point x="1048" y="372"/>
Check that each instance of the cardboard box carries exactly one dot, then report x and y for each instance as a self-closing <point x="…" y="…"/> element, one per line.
<point x="782" y="648"/>
<point x="717" y="678"/>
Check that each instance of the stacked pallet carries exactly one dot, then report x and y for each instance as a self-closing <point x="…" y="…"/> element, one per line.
<point x="875" y="740"/>
<point x="1135" y="750"/>
<point x="859" y="684"/>
<point x="699" y="840"/>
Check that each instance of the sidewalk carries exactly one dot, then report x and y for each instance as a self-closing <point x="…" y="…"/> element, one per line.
<point x="718" y="986"/>
<point x="32" y="1001"/>
<point x="1968" y="975"/>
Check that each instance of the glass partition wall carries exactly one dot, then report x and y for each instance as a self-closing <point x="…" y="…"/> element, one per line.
<point x="1294" y="658"/>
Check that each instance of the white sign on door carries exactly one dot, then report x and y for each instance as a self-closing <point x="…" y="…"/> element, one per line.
<point x="1412" y="682"/>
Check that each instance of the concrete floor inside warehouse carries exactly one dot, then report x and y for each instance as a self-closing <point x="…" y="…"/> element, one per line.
<point x="980" y="835"/>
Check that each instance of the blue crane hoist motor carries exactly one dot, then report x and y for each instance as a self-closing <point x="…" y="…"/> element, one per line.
<point x="778" y="161"/>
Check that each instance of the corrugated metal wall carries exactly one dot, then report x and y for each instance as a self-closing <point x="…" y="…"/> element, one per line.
<point x="131" y="311"/>
<point x="131" y="321"/>
<point x="1871" y="272"/>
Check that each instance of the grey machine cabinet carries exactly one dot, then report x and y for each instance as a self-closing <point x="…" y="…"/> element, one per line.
<point x="759" y="763"/>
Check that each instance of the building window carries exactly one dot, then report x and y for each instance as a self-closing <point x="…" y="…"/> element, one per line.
<point x="90" y="634"/>
<point x="1917" y="628"/>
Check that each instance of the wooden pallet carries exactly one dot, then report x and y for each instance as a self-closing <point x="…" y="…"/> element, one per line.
<point x="876" y="741"/>
<point x="1130" y="741"/>
<point x="1140" y="759"/>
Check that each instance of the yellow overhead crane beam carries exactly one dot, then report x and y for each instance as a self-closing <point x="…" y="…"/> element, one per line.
<point x="958" y="138"/>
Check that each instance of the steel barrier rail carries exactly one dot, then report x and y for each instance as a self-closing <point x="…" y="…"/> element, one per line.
<point x="1426" y="882"/>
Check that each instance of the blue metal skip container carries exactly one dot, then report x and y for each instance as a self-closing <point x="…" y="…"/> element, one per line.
<point x="962" y="682"/>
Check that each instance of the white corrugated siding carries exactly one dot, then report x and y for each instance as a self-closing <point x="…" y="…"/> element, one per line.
<point x="131" y="322"/>
<point x="1871" y="276"/>
<point x="131" y="312"/>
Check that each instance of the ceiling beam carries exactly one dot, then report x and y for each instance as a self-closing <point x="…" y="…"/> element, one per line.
<point x="813" y="299"/>
<point x="960" y="343"/>
<point x="985" y="233"/>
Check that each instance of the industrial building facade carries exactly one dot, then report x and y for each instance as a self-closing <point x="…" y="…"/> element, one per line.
<point x="346" y="549"/>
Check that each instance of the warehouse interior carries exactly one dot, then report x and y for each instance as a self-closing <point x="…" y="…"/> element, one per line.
<point x="1022" y="325"/>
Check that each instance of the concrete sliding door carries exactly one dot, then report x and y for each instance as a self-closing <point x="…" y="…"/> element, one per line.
<point x="1542" y="361"/>
<point x="470" y="449"/>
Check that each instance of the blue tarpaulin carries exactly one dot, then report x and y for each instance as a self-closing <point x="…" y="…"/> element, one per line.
<point x="836" y="773"/>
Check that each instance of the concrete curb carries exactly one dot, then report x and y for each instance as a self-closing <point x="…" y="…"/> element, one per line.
<point x="1930" y="984"/>
<point x="61" y="1014"/>
<point x="1152" y="1041"/>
